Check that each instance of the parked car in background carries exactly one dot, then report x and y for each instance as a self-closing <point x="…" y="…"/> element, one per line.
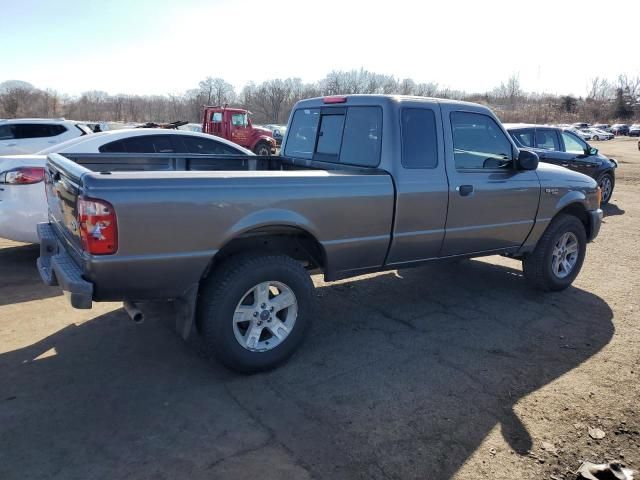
<point x="563" y="147"/>
<point x="634" y="130"/>
<point x="581" y="133"/>
<point x="235" y="124"/>
<point x="580" y="125"/>
<point x="605" y="127"/>
<point x="191" y="127"/>
<point x="30" y="135"/>
<point x="278" y="132"/>
<point x="22" y="200"/>
<point x="597" y="134"/>
<point x="620" y="129"/>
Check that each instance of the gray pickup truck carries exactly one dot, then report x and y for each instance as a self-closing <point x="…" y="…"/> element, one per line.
<point x="364" y="183"/>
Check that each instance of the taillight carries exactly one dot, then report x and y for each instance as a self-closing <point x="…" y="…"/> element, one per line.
<point x="98" y="226"/>
<point x="22" y="176"/>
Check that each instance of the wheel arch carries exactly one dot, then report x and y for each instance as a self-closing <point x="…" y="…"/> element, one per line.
<point x="292" y="240"/>
<point x="578" y="210"/>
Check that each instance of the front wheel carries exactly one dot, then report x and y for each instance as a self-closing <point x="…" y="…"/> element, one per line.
<point x="606" y="183"/>
<point x="254" y="311"/>
<point x="596" y="137"/>
<point x="262" y="149"/>
<point x="558" y="256"/>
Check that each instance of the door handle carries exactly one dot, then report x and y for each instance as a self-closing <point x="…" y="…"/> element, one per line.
<point x="464" y="190"/>
<point x="564" y="164"/>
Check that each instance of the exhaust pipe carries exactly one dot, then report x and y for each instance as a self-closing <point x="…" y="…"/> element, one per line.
<point x="133" y="311"/>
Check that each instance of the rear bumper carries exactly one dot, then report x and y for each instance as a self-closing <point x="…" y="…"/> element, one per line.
<point x="56" y="267"/>
<point x="595" y="220"/>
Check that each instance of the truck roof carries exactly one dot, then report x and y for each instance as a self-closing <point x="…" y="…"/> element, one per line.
<point x="379" y="98"/>
<point x="222" y="107"/>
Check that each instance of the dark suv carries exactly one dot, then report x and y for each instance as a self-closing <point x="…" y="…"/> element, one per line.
<point x="565" y="148"/>
<point x="620" y="129"/>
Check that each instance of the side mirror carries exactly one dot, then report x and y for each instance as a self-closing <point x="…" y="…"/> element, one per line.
<point x="593" y="151"/>
<point x="527" y="160"/>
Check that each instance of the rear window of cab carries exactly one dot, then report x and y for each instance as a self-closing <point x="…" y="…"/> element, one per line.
<point x="347" y="135"/>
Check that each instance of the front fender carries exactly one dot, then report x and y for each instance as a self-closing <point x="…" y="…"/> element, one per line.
<point x="572" y="196"/>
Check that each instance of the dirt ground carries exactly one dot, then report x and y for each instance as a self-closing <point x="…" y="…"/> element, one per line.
<point x="441" y="372"/>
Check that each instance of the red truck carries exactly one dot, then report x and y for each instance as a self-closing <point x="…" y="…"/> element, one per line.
<point x="234" y="124"/>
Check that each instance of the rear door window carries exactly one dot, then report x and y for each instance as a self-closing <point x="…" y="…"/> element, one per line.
<point x="206" y="146"/>
<point x="419" y="138"/>
<point x="6" y="132"/>
<point x="547" y="139"/>
<point x="524" y="138"/>
<point x="37" y="130"/>
<point x="142" y="144"/>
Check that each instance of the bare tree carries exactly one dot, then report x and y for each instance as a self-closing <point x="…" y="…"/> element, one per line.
<point x="271" y="101"/>
<point x="217" y="91"/>
<point x="599" y="89"/>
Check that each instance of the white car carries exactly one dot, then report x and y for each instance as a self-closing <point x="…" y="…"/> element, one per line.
<point x="23" y="203"/>
<point x="582" y="134"/>
<point x="30" y="135"/>
<point x="597" y="134"/>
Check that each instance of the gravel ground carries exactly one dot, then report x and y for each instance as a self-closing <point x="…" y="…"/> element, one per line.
<point x="441" y="372"/>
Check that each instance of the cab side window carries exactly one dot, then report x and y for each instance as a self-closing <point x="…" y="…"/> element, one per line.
<point x="479" y="143"/>
<point x="239" y="120"/>
<point x="573" y="144"/>
<point x="547" y="140"/>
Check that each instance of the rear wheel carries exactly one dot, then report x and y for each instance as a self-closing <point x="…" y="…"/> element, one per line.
<point x="254" y="311"/>
<point x="596" y="137"/>
<point x="606" y="183"/>
<point x="263" y="149"/>
<point x="558" y="257"/>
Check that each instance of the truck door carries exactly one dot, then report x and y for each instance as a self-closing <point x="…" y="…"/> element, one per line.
<point x="215" y="124"/>
<point x="576" y="155"/>
<point x="239" y="126"/>
<point x="421" y="186"/>
<point x="492" y="205"/>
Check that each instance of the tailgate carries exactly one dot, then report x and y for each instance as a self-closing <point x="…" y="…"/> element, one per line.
<point x="63" y="184"/>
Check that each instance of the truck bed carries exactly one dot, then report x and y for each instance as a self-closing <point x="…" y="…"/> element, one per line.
<point x="175" y="213"/>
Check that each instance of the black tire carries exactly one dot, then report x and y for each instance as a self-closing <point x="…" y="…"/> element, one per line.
<point x="601" y="180"/>
<point x="537" y="265"/>
<point x="596" y="137"/>
<point x="224" y="289"/>
<point x="262" y="149"/>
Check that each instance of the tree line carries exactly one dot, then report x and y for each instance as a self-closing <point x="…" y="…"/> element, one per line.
<point x="607" y="100"/>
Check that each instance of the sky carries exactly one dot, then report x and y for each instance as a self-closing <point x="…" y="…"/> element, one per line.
<point x="168" y="46"/>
